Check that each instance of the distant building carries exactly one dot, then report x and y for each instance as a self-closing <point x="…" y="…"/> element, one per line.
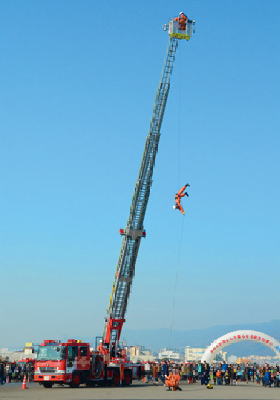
<point x="27" y="352"/>
<point x="139" y="353"/>
<point x="232" y="359"/>
<point x="29" y="349"/>
<point x="169" y="355"/>
<point x="221" y="356"/>
<point x="258" y="359"/>
<point x="194" y="354"/>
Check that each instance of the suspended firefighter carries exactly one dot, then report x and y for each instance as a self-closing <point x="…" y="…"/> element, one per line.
<point x="178" y="196"/>
<point x="182" y="20"/>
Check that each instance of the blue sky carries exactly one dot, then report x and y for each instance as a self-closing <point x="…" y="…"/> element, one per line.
<point x="78" y="80"/>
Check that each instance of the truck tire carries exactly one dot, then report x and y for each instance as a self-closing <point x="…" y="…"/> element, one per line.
<point x="127" y="378"/>
<point x="48" y="385"/>
<point x="76" y="380"/>
<point x="116" y="378"/>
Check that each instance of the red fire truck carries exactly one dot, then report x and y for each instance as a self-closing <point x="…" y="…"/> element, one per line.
<point x="72" y="362"/>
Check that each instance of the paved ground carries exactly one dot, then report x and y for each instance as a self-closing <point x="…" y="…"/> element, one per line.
<point x="139" y="392"/>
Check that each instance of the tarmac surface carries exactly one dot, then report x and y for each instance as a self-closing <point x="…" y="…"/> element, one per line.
<point x="245" y="391"/>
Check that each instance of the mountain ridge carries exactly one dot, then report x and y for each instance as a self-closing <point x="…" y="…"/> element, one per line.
<point x="156" y="339"/>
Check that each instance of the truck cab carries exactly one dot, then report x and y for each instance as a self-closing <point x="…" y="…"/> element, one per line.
<point x="62" y="363"/>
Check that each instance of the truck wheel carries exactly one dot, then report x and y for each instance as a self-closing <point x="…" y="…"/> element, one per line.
<point x="47" y="385"/>
<point x="127" y="378"/>
<point x="116" y="378"/>
<point x="76" y="380"/>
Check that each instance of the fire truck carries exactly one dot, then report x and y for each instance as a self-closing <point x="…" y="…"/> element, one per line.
<point x="73" y="362"/>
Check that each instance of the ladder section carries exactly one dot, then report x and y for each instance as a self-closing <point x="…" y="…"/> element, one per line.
<point x="134" y="229"/>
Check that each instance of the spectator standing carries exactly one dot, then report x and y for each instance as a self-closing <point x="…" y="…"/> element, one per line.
<point x="155" y="373"/>
<point x="219" y="377"/>
<point x="2" y="374"/>
<point x="164" y="371"/>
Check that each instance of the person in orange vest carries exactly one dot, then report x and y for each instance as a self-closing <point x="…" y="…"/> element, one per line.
<point x="219" y="377"/>
<point x="172" y="381"/>
<point x="182" y="20"/>
<point x="178" y="197"/>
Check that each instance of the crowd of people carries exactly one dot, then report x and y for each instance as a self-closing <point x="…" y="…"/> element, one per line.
<point x="171" y="374"/>
<point x="15" y="371"/>
<point x="216" y="374"/>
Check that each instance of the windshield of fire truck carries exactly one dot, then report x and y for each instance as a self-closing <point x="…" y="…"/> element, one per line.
<point x="51" y="353"/>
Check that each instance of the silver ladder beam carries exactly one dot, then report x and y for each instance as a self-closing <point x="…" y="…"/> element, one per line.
<point x="134" y="229"/>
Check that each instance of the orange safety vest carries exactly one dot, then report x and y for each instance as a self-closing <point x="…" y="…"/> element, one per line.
<point x="172" y="380"/>
<point x="182" y="21"/>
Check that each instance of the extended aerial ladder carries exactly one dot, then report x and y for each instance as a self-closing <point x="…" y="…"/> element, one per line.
<point x="134" y="231"/>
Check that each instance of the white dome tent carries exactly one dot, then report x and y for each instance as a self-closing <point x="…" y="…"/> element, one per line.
<point x="240" y="336"/>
